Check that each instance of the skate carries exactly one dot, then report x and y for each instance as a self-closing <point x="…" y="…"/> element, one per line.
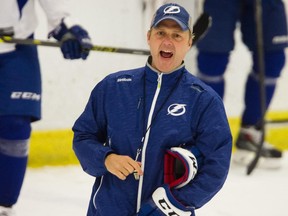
<point x="247" y="145"/>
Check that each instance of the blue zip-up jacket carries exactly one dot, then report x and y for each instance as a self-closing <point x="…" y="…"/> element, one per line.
<point x="174" y="109"/>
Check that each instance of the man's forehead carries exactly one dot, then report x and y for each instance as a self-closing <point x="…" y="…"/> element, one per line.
<point x="169" y="23"/>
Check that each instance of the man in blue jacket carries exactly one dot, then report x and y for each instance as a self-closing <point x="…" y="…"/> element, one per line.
<point x="139" y="123"/>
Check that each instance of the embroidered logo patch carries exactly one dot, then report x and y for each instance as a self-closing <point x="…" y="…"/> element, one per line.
<point x="172" y="9"/>
<point x="124" y="80"/>
<point x="176" y="109"/>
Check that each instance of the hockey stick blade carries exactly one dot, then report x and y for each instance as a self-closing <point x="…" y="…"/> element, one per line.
<point x="200" y="27"/>
<point x="254" y="162"/>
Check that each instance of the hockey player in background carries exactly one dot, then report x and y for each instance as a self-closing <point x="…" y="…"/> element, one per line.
<point x="213" y="57"/>
<point x="20" y="84"/>
<point x="139" y="124"/>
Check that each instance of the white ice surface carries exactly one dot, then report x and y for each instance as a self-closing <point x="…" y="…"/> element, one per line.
<point x="65" y="191"/>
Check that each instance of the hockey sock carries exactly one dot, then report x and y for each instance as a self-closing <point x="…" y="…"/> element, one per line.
<point x="211" y="69"/>
<point x="252" y="111"/>
<point x="274" y="62"/>
<point x="12" y="171"/>
<point x="14" y="137"/>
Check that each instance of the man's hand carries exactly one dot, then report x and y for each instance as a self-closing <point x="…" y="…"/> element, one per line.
<point x="75" y="41"/>
<point x="122" y="166"/>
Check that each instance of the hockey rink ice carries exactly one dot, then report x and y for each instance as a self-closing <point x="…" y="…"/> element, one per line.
<point x="65" y="191"/>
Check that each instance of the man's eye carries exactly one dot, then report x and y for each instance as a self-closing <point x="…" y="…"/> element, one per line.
<point x="177" y="37"/>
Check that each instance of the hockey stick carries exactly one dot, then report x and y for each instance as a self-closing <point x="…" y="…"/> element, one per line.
<point x="8" y="39"/>
<point x="200" y="27"/>
<point x="276" y="121"/>
<point x="261" y="71"/>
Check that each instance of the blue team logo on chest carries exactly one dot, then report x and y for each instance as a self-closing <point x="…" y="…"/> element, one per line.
<point x="176" y="109"/>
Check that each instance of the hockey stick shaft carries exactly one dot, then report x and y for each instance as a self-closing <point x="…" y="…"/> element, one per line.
<point x="200" y="27"/>
<point x="8" y="39"/>
<point x="262" y="90"/>
<point x="277" y="121"/>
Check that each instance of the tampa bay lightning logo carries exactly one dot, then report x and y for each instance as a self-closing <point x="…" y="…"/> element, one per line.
<point x="176" y="109"/>
<point x="172" y="9"/>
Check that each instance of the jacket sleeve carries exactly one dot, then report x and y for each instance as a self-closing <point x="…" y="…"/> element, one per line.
<point x="9" y="13"/>
<point x="214" y="141"/>
<point x="55" y="11"/>
<point x="90" y="142"/>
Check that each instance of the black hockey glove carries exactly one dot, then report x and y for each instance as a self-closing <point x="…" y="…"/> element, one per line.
<point x="75" y="41"/>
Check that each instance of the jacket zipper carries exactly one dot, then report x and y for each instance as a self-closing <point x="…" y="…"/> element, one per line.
<point x="159" y="80"/>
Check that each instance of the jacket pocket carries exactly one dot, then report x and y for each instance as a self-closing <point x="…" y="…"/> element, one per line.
<point x="97" y="191"/>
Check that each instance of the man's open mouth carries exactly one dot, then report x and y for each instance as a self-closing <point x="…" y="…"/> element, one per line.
<point x="166" y="54"/>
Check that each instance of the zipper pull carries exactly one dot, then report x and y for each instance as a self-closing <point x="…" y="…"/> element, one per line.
<point x="136" y="176"/>
<point x="138" y="153"/>
<point x="139" y="103"/>
<point x="159" y="80"/>
<point x="109" y="142"/>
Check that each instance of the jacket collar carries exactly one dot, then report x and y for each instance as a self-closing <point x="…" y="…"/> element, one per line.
<point x="167" y="79"/>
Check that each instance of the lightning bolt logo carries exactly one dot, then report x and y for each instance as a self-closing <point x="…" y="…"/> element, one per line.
<point x="176" y="109"/>
<point x="172" y="9"/>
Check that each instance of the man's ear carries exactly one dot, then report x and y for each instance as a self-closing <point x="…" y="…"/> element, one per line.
<point x="148" y="37"/>
<point x="190" y="42"/>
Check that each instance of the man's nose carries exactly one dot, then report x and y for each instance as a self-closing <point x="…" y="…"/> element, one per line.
<point x="167" y="39"/>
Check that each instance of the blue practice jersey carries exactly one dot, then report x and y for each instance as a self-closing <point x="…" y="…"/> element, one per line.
<point x="20" y="78"/>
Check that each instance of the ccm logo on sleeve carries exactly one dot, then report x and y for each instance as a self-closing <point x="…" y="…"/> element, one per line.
<point x="25" y="96"/>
